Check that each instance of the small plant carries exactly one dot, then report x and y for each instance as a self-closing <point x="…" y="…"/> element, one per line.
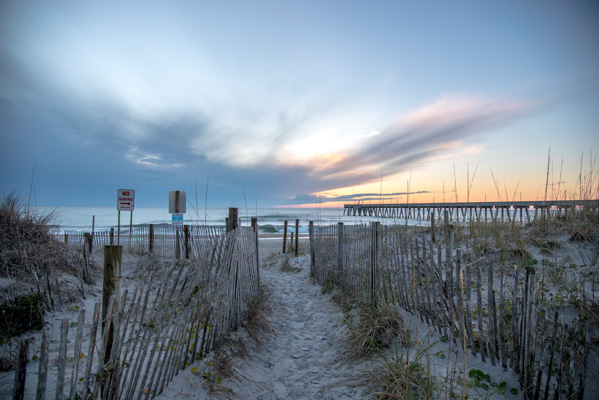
<point x="478" y="379"/>
<point x="401" y="376"/>
<point x="21" y="316"/>
<point x="374" y="328"/>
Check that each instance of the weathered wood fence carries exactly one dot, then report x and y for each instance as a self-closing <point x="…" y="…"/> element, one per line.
<point x="493" y="311"/>
<point x="174" y="317"/>
<point x="162" y="240"/>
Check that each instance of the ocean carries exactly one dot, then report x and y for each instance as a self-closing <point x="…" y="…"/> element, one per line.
<point x="270" y="220"/>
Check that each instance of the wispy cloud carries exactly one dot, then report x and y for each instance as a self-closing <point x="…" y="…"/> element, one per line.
<point x="152" y="161"/>
<point x="356" y="197"/>
<point x="448" y="127"/>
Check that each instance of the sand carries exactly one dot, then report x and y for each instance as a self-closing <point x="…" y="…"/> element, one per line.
<point x="300" y="357"/>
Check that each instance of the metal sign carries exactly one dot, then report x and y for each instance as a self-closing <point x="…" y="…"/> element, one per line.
<point x="176" y="202"/>
<point x="178" y="219"/>
<point x="125" y="200"/>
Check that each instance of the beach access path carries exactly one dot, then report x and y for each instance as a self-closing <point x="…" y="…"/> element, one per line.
<point x="302" y="354"/>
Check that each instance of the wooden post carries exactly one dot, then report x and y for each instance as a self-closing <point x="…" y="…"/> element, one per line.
<point x="66" y="238"/>
<point x="340" y="252"/>
<point x="21" y="370"/>
<point x="151" y="239"/>
<point x="433" y="225"/>
<point x="257" y="238"/>
<point x="449" y="240"/>
<point x="43" y="365"/>
<point x="449" y="274"/>
<point x="312" y="254"/>
<point x="285" y="237"/>
<point x="113" y="256"/>
<point x="177" y="243"/>
<point x="62" y="358"/>
<point x="446" y="221"/>
<point x="187" y="245"/>
<point x="76" y="353"/>
<point x="93" y="232"/>
<point x="233" y="218"/>
<point x="296" y="236"/>
<point x="374" y="245"/>
<point x="87" y="242"/>
<point x="130" y="229"/>
<point x="111" y="236"/>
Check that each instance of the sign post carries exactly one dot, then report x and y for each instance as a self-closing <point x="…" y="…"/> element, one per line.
<point x="176" y="207"/>
<point x="176" y="202"/>
<point x="125" y="201"/>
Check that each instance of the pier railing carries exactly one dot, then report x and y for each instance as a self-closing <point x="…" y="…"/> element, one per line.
<point x="525" y="211"/>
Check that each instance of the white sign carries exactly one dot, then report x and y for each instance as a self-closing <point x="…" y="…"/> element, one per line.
<point x="125" y="199"/>
<point x="178" y="219"/>
<point x="176" y="202"/>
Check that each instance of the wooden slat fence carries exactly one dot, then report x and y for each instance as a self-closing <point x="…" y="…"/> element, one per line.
<point x="162" y="240"/>
<point x="490" y="309"/>
<point x="170" y="320"/>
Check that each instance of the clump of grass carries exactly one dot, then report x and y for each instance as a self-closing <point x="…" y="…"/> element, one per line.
<point x="23" y="315"/>
<point x="220" y="367"/>
<point x="27" y="245"/>
<point x="255" y="321"/>
<point x="373" y="328"/>
<point x="401" y="376"/>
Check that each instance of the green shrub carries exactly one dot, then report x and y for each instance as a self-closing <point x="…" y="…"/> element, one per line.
<point x="21" y="316"/>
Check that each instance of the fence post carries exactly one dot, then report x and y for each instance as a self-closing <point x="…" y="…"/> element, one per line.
<point x="21" y="370"/>
<point x="187" y="246"/>
<point x="374" y="250"/>
<point x="257" y="237"/>
<point x="449" y="270"/>
<point x="339" y="252"/>
<point x="433" y="225"/>
<point x="43" y="364"/>
<point x="312" y="253"/>
<point x="113" y="256"/>
<point x="528" y="329"/>
<point x="285" y="237"/>
<point x="151" y="239"/>
<point x="87" y="240"/>
<point x="177" y="243"/>
<point x="233" y="213"/>
<point x="296" y="235"/>
<point x="111" y="236"/>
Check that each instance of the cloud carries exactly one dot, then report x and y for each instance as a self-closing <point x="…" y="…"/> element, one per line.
<point x="152" y="161"/>
<point x="371" y="134"/>
<point x="447" y="127"/>
<point x="361" y="197"/>
<point x="239" y="144"/>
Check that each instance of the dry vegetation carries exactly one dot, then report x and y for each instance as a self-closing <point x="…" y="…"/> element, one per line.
<point x="26" y="244"/>
<point x="36" y="269"/>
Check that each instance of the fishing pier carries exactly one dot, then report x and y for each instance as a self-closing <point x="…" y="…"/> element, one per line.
<point x="525" y="211"/>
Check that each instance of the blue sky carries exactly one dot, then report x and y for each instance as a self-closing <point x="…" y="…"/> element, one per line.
<point x="288" y="103"/>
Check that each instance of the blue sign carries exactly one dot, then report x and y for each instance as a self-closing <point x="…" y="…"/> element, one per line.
<point x="178" y="219"/>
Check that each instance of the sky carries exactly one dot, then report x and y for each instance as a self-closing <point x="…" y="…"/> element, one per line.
<point x="289" y="103"/>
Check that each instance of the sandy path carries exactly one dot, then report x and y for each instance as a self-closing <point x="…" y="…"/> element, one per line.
<point x="301" y="357"/>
